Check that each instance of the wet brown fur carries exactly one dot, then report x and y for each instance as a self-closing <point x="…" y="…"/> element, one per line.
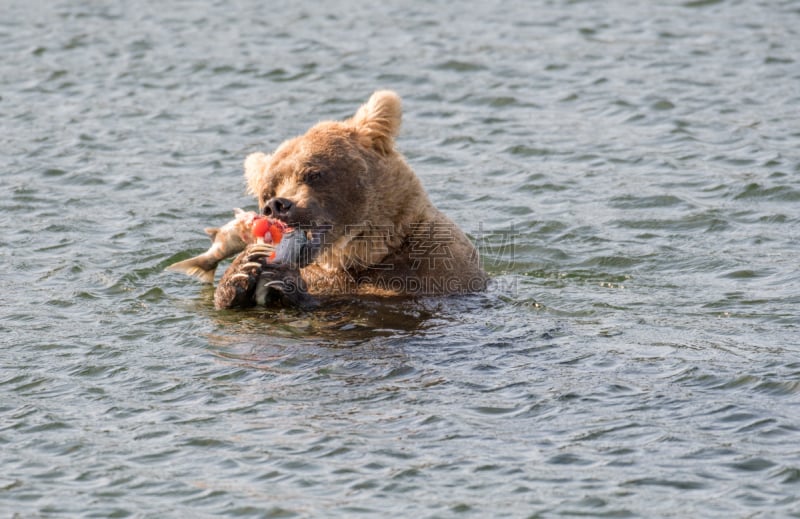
<point x="348" y="176"/>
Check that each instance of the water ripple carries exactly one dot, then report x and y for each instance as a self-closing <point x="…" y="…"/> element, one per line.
<point x="628" y="172"/>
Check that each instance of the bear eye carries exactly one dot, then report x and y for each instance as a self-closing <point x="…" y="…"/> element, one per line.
<point x="312" y="176"/>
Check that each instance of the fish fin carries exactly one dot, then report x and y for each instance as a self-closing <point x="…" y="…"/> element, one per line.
<point x="212" y="232"/>
<point x="194" y="267"/>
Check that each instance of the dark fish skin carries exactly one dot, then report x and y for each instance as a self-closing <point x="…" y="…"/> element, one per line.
<point x="291" y="248"/>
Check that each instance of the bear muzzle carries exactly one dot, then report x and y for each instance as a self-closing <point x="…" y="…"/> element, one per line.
<point x="307" y="220"/>
<point x="280" y="208"/>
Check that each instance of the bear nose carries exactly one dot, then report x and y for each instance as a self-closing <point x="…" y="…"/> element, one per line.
<point x="278" y="208"/>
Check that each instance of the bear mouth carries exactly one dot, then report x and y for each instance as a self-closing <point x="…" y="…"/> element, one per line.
<point x="318" y="232"/>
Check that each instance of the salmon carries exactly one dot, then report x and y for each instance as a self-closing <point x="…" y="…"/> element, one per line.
<point x="277" y="241"/>
<point x="226" y="241"/>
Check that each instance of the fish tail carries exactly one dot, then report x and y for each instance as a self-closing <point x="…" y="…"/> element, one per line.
<point x="197" y="267"/>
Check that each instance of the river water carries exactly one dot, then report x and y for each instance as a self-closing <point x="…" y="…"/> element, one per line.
<point x="628" y="169"/>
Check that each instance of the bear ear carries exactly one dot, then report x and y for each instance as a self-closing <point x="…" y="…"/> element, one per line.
<point x="378" y="121"/>
<point x="255" y="166"/>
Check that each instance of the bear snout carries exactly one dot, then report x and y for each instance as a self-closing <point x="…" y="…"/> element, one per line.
<point x="279" y="208"/>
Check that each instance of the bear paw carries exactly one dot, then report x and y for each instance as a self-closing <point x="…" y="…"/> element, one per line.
<point x="280" y="284"/>
<point x="253" y="280"/>
<point x="238" y="284"/>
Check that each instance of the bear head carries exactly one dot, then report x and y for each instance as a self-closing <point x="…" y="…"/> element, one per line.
<point x="344" y="183"/>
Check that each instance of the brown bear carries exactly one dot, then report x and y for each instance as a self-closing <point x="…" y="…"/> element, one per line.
<point x="370" y="226"/>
